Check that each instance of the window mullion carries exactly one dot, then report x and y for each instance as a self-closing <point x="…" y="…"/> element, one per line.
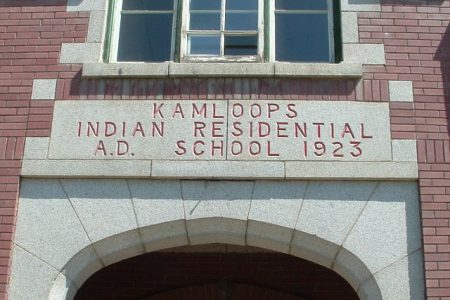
<point x="331" y="29"/>
<point x="222" y="27"/>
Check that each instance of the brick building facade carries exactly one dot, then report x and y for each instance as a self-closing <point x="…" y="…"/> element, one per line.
<point x="395" y="56"/>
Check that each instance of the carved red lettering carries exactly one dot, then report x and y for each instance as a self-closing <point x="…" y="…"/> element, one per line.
<point x="255" y="110"/>
<point x="215" y="114"/>
<point x="236" y="129"/>
<point x="236" y="148"/>
<point x="263" y="129"/>
<point x="138" y="128"/>
<point x="216" y="129"/>
<point x="347" y="130"/>
<point x="92" y="129"/>
<point x="110" y="129"/>
<point x="281" y="129"/>
<point x="269" y="151"/>
<point x="319" y="129"/>
<point x="122" y="148"/>
<point x="215" y="147"/>
<point x="237" y="110"/>
<point x="302" y="130"/>
<point x="292" y="113"/>
<point x="198" y="129"/>
<point x="158" y="129"/>
<point x="272" y="108"/>
<point x="254" y="148"/>
<point x="79" y="129"/>
<point x="178" y="111"/>
<point x="198" y="112"/>
<point x="363" y="133"/>
<point x="157" y="110"/>
<point x="195" y="149"/>
<point x="100" y="147"/>
<point x="181" y="149"/>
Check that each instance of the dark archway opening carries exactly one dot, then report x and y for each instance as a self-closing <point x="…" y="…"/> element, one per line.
<point x="213" y="272"/>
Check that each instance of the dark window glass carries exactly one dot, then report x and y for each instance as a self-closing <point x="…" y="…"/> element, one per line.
<point x="242" y="5"/>
<point x="302" y="37"/>
<point x="204" y="44"/>
<point x="205" y="4"/>
<point x="205" y="21"/>
<point x="301" y="4"/>
<point x="241" y="45"/>
<point x="147" y="5"/>
<point x="241" y="21"/>
<point x="145" y="37"/>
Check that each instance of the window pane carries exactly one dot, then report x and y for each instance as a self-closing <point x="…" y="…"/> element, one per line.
<point x="145" y="37"/>
<point x="301" y="4"/>
<point x="241" y="45"/>
<point x="204" y="44"/>
<point x="205" y="21"/>
<point x="242" y="5"/>
<point x="147" y="4"/>
<point x="241" y="21"/>
<point x="298" y="40"/>
<point x="205" y="5"/>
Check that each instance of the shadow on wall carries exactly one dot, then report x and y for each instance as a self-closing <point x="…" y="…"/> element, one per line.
<point x="443" y="56"/>
<point x="21" y="3"/>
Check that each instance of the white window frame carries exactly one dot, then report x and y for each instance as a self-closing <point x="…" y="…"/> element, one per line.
<point x="183" y="35"/>
<point x="185" y="57"/>
<point x="272" y="31"/>
<point x="117" y="19"/>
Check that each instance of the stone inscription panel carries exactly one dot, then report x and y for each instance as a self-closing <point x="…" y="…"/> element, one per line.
<point x="221" y="130"/>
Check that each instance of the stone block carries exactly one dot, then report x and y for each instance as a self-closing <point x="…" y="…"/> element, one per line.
<point x="277" y="203"/>
<point x="43" y="89"/>
<point x="360" y="5"/>
<point x="31" y="278"/>
<point x="401" y="91"/>
<point x="330" y="209"/>
<point x="36" y="148"/>
<point x="349" y="27"/>
<point x="220" y="69"/>
<point x="351" y="268"/>
<point x="388" y="226"/>
<point x="62" y="288"/>
<point x="86" y="5"/>
<point x="82" y="265"/>
<point x="313" y="248"/>
<point x="96" y="26"/>
<point x="269" y="236"/>
<point x="318" y="70"/>
<point x="164" y="236"/>
<point x="47" y="225"/>
<point x="126" y="69"/>
<point x="103" y="206"/>
<point x="409" y="281"/>
<point x="217" y="169"/>
<point x="156" y="201"/>
<point x="86" y="168"/>
<point x="119" y="247"/>
<point x="216" y="230"/>
<point x="367" y="54"/>
<point x="404" y="150"/>
<point x="222" y="199"/>
<point x="351" y="170"/>
<point x="77" y="53"/>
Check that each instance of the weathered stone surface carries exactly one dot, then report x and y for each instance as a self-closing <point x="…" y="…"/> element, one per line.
<point x="43" y="89"/>
<point x="401" y="91"/>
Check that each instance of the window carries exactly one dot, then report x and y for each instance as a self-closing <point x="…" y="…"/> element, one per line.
<point x="225" y="30"/>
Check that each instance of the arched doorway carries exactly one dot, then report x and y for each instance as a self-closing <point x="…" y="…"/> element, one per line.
<point x="216" y="271"/>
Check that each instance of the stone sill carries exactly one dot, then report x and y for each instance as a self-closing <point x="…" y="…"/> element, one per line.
<point x="274" y="170"/>
<point x="172" y="69"/>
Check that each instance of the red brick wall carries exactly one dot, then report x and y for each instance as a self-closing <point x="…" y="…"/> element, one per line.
<point x="417" y="43"/>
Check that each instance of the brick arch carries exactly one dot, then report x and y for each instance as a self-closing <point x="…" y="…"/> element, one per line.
<point x="356" y="274"/>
